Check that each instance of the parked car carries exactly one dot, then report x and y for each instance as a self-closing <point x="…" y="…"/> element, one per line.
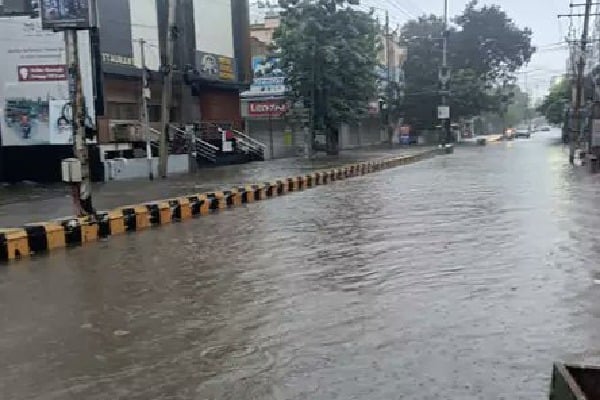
<point x="545" y="129"/>
<point x="523" y="133"/>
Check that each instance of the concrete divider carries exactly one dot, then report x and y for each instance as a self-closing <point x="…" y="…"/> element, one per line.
<point x="79" y="231"/>
<point x="14" y="244"/>
<point x="180" y="208"/>
<point x="42" y="237"/>
<point x="110" y="223"/>
<point x="160" y="213"/>
<point x="136" y="218"/>
<point x="217" y="200"/>
<point x="45" y="236"/>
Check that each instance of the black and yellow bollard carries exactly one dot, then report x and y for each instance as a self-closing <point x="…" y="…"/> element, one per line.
<point x="246" y="196"/>
<point x="235" y="199"/>
<point x="260" y="191"/>
<point x="181" y="209"/>
<point x="14" y="244"/>
<point x="136" y="218"/>
<point x="198" y="205"/>
<point x="216" y="201"/>
<point x="110" y="223"/>
<point x="79" y="231"/>
<point x="45" y="236"/>
<point x="283" y="187"/>
<point x="292" y="184"/>
<point x="159" y="213"/>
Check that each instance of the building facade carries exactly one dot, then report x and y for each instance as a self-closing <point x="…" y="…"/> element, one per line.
<point x="211" y="68"/>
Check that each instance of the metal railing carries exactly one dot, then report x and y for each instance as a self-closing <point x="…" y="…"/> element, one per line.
<point x="249" y="144"/>
<point x="201" y="147"/>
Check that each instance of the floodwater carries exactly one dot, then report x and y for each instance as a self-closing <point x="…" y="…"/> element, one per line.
<point x="460" y="277"/>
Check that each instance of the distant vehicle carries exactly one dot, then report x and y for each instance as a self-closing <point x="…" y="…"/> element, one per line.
<point x="545" y="129"/>
<point x="523" y="133"/>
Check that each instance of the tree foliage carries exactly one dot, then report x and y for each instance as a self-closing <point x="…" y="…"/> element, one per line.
<point x="485" y="49"/>
<point x="329" y="54"/>
<point x="553" y="105"/>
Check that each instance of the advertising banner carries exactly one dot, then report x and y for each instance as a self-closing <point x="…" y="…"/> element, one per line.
<point x="66" y="14"/>
<point x="34" y="86"/>
<point x="215" y="67"/>
<point x="268" y="77"/>
<point x="42" y="73"/>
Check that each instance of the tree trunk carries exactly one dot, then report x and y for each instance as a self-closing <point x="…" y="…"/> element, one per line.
<point x="332" y="140"/>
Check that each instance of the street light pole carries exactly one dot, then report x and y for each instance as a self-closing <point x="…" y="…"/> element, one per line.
<point x="145" y="120"/>
<point x="388" y="68"/>
<point x="446" y="123"/>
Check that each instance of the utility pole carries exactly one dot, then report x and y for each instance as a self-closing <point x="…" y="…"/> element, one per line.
<point x="388" y="55"/>
<point x="574" y="136"/>
<point x="167" y="89"/>
<point x="445" y="76"/>
<point x="144" y="114"/>
<point x="82" y="191"/>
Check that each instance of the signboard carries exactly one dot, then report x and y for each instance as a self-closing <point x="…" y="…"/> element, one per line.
<point x="66" y="14"/>
<point x="226" y="70"/>
<point x="34" y="84"/>
<point x="215" y="67"/>
<point x="443" y="112"/>
<point x="267" y="108"/>
<point x="42" y="73"/>
<point x="268" y="77"/>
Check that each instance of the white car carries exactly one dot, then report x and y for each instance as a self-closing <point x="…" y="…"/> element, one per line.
<point x="523" y="133"/>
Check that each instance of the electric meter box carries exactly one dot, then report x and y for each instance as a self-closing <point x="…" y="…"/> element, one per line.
<point x="71" y="170"/>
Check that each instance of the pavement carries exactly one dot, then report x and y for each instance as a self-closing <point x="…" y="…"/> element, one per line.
<point x="30" y="202"/>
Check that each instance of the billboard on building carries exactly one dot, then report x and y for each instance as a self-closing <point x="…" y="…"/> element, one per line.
<point x="214" y="40"/>
<point x="33" y="83"/>
<point x="66" y="14"/>
<point x="215" y="67"/>
<point x="125" y="25"/>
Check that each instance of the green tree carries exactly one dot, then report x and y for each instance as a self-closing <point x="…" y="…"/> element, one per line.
<point x="484" y="53"/>
<point x="329" y="54"/>
<point x="553" y="105"/>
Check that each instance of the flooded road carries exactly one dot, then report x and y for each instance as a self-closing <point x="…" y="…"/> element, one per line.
<point x="460" y="277"/>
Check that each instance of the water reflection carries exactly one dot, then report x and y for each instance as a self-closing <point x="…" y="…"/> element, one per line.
<point x="458" y="277"/>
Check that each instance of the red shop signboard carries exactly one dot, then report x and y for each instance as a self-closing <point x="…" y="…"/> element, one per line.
<point x="266" y="108"/>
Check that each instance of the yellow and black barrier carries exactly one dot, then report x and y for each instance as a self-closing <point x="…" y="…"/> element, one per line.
<point x="79" y="231"/>
<point x="14" y="244"/>
<point x="136" y="218"/>
<point x="43" y="237"/>
<point x="160" y="213"/>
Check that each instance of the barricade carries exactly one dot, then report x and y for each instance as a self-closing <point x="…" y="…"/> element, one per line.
<point x="79" y="231"/>
<point x="282" y="187"/>
<point x="181" y="209"/>
<point x="216" y="201"/>
<point x="160" y="213"/>
<point x="260" y="191"/>
<point x="110" y="223"/>
<point x="14" y="244"/>
<point x="292" y="184"/>
<point x="45" y="236"/>
<point x="136" y="218"/>
<point x="199" y="205"/>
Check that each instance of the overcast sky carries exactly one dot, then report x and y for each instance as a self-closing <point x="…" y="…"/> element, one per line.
<point x="539" y="15"/>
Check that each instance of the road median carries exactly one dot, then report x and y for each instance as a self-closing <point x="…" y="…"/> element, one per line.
<point x="49" y="236"/>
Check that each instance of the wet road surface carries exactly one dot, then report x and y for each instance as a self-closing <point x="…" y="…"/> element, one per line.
<point x="23" y="203"/>
<point x="460" y="277"/>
